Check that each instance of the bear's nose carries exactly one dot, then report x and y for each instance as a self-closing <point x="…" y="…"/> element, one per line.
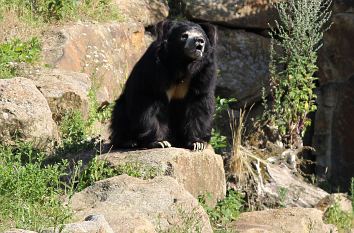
<point x="199" y="40"/>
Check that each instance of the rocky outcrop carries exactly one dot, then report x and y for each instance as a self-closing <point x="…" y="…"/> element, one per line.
<point x="147" y="12"/>
<point x="134" y="205"/>
<point x="106" y="52"/>
<point x="290" y="220"/>
<point x="64" y="91"/>
<point x="296" y="192"/>
<point x="243" y="59"/>
<point x="240" y="14"/>
<point x="199" y="173"/>
<point x="334" y="124"/>
<point x="24" y="113"/>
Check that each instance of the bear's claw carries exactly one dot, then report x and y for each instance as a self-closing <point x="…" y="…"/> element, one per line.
<point x="199" y="146"/>
<point x="163" y="144"/>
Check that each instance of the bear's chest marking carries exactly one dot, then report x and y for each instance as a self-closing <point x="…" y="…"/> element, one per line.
<point x="178" y="91"/>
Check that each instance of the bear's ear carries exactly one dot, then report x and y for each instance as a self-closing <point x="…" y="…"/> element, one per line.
<point x="162" y="28"/>
<point x="210" y="31"/>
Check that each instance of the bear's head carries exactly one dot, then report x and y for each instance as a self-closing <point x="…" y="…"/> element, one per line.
<point x="186" y="40"/>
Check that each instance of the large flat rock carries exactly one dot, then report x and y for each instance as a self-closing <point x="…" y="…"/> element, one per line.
<point x="298" y="192"/>
<point x="133" y="205"/>
<point x="199" y="172"/>
<point x="290" y="220"/>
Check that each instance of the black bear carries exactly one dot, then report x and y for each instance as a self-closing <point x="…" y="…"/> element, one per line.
<point x="168" y="98"/>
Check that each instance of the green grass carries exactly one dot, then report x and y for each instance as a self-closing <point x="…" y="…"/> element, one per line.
<point x="99" y="169"/>
<point x="344" y="221"/>
<point x="17" y="51"/>
<point x="225" y="211"/>
<point x="33" y="184"/>
<point x="47" y="11"/>
<point x="30" y="192"/>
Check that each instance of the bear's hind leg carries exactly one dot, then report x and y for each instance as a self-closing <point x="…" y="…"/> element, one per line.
<point x="152" y="127"/>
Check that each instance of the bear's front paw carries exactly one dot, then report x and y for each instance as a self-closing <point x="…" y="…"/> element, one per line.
<point x="198" y="146"/>
<point x="160" y="144"/>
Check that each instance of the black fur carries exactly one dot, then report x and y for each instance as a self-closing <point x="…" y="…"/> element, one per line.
<point x="143" y="114"/>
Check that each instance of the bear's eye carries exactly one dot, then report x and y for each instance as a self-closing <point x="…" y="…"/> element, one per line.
<point x="184" y="36"/>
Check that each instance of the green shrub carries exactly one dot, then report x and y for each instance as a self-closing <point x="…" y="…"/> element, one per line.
<point x="16" y="51"/>
<point x="341" y="219"/>
<point x="97" y="112"/>
<point x="218" y="141"/>
<point x="296" y="39"/>
<point x="282" y="194"/>
<point x="225" y="210"/>
<point x="30" y="191"/>
<point x="73" y="133"/>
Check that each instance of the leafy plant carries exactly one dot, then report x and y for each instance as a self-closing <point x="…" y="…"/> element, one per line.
<point x="343" y="220"/>
<point x="282" y="193"/>
<point x="73" y="133"/>
<point x="222" y="105"/>
<point x="17" y="51"/>
<point x="225" y="210"/>
<point x="218" y="141"/>
<point x="98" y="113"/>
<point x="296" y="39"/>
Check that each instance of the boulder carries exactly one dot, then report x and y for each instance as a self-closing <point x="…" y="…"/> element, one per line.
<point x="240" y="14"/>
<point x="198" y="172"/>
<point x="106" y="52"/>
<point x="295" y="191"/>
<point x="342" y="199"/>
<point x="243" y="59"/>
<point x="147" y="12"/>
<point x="91" y="224"/>
<point x="290" y="220"/>
<point x="133" y="205"/>
<point x="334" y="125"/>
<point x="64" y="90"/>
<point x="24" y="113"/>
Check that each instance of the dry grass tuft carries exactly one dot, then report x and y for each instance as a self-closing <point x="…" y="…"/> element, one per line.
<point x="244" y="165"/>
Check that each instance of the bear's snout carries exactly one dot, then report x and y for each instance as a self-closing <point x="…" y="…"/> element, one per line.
<point x="199" y="43"/>
<point x="195" y="44"/>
